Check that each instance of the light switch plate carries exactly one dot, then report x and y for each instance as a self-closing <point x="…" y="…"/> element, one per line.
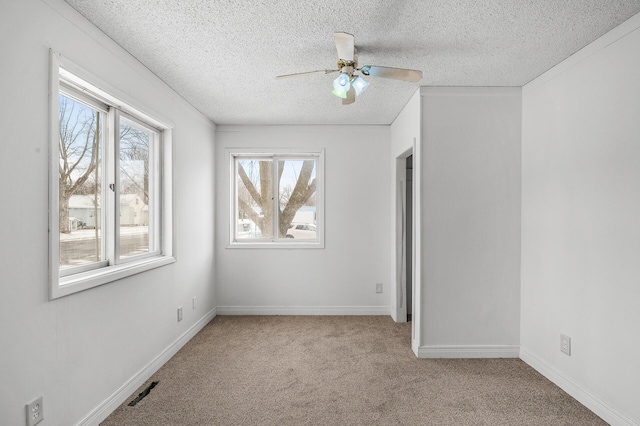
<point x="565" y="344"/>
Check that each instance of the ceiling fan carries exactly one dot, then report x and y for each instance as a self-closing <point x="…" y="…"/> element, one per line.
<point x="349" y="83"/>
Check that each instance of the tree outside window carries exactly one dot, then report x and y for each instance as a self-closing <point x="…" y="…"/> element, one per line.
<point x="262" y="216"/>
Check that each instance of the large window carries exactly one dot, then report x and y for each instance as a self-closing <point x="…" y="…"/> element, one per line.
<point x="110" y="187"/>
<point x="277" y="199"/>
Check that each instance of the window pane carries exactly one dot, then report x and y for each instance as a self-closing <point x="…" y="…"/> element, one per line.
<point x="136" y="188"/>
<point x="297" y="199"/>
<point x="80" y="182"/>
<point x="254" y="179"/>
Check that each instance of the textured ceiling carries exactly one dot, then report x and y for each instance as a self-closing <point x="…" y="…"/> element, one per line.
<point x="222" y="55"/>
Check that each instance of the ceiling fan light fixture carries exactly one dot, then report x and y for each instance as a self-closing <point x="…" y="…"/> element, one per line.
<point x="341" y="83"/>
<point x="359" y="84"/>
<point x="342" y="94"/>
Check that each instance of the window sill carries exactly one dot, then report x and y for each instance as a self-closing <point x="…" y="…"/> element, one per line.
<point x="86" y="280"/>
<point x="276" y="245"/>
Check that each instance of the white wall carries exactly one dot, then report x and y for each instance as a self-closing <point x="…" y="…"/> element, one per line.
<point x="580" y="224"/>
<point x="339" y="279"/>
<point x="79" y="350"/>
<point x="470" y="222"/>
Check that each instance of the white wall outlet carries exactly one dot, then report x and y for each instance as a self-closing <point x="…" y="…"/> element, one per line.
<point x="378" y="287"/>
<point x="35" y="412"/>
<point x="193" y="302"/>
<point x="565" y="344"/>
<point x="179" y="313"/>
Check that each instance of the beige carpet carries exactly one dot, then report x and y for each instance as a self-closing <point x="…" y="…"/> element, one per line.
<point x="332" y="370"/>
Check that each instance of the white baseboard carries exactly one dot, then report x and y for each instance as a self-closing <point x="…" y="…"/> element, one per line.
<point x="394" y="313"/>
<point x="586" y="398"/>
<point x="469" y="351"/>
<point x="103" y="410"/>
<point x="304" y="310"/>
<point x="415" y="347"/>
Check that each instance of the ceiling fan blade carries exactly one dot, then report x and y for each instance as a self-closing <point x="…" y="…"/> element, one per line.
<point x="351" y="96"/>
<point x="395" y="73"/>
<point x="301" y="74"/>
<point x="345" y="45"/>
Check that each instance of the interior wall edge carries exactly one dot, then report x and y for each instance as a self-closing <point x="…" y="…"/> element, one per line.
<point x="619" y="32"/>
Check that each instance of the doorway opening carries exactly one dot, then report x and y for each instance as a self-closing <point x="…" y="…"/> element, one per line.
<point x="404" y="241"/>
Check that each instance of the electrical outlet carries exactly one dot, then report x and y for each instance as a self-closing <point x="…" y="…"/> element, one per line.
<point x="565" y="344"/>
<point x="194" y="302"/>
<point x="35" y="412"/>
<point x="379" y="288"/>
<point x="179" y="313"/>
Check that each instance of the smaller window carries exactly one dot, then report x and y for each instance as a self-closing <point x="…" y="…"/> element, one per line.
<point x="277" y="199"/>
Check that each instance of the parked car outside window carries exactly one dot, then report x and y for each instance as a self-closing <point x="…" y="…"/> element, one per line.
<point x="303" y="231"/>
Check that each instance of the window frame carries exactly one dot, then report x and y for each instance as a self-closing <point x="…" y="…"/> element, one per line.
<point x="67" y="77"/>
<point x="274" y="155"/>
<point x="78" y="96"/>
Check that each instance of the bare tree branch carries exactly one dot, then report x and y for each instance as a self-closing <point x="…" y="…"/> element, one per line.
<point x="74" y="168"/>
<point x="248" y="184"/>
<point x="301" y="193"/>
<point x="249" y="212"/>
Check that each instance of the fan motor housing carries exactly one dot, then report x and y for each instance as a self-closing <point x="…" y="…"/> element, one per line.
<point x="347" y="66"/>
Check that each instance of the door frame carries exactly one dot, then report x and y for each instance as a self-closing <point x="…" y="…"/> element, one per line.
<point x="399" y="298"/>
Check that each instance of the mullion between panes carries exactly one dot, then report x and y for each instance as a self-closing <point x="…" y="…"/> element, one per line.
<point x="154" y="197"/>
<point x="112" y="219"/>
<point x="276" y="199"/>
